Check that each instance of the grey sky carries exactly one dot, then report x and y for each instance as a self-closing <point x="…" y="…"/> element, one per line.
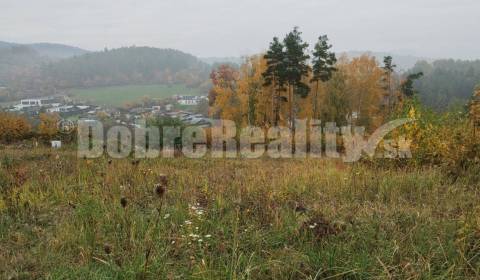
<point x="432" y="28"/>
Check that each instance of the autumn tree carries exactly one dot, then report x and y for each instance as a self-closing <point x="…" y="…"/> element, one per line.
<point x="13" y="127"/>
<point x="48" y="126"/>
<point x="252" y="91"/>
<point x="223" y="78"/>
<point x="226" y="102"/>
<point x="365" y="91"/>
<point x="323" y="67"/>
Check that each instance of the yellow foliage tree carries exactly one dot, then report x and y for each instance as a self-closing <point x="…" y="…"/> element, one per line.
<point x="364" y="89"/>
<point x="48" y="127"/>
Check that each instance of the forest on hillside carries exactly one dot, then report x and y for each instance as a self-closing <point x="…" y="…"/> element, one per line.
<point x="26" y="73"/>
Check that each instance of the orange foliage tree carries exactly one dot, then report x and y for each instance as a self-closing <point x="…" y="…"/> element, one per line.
<point x="13" y="128"/>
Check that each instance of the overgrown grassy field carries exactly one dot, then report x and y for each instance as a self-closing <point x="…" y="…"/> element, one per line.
<point x="119" y="95"/>
<point x="68" y="218"/>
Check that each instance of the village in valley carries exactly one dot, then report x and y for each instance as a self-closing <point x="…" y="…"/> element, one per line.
<point x="182" y="108"/>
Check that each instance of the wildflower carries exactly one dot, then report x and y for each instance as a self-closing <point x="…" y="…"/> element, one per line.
<point x="208" y="236"/>
<point x="200" y="240"/>
<point x="123" y="202"/>
<point x="313" y="226"/>
<point x="166" y="216"/>
<point x="187" y="222"/>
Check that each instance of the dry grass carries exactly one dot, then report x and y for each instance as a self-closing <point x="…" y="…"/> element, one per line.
<point x="68" y="218"/>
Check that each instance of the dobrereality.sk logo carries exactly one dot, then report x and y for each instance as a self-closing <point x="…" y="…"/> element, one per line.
<point x="223" y="139"/>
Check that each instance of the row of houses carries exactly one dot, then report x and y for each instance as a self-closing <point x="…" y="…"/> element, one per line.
<point x="66" y="108"/>
<point x="51" y="104"/>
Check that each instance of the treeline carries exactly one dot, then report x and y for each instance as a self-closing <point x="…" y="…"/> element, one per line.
<point x="291" y="81"/>
<point x="446" y="83"/>
<point x="15" y="128"/>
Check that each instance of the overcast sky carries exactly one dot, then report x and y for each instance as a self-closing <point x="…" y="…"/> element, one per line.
<point x="430" y="28"/>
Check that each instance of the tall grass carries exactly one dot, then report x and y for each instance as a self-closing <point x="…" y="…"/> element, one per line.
<point x="68" y="218"/>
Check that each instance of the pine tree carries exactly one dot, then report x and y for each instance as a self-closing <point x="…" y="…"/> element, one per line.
<point x="389" y="69"/>
<point x="323" y="66"/>
<point x="274" y="75"/>
<point x="407" y="86"/>
<point x="296" y="68"/>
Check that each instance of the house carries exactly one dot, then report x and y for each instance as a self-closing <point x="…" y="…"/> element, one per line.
<point x="168" y="107"/>
<point x="39" y="102"/>
<point x="60" y="109"/>
<point x="190" y="100"/>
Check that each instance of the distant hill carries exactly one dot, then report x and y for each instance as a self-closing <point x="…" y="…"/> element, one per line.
<point x="130" y="65"/>
<point x="49" y="50"/>
<point x="25" y="72"/>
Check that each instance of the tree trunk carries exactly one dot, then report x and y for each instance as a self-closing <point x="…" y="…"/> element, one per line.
<point x="315" y="101"/>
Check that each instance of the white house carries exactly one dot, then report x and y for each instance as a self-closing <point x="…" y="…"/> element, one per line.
<point x="60" y="109"/>
<point x="190" y="100"/>
<point x="37" y="102"/>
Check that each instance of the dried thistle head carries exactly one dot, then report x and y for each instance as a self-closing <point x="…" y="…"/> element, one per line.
<point x="162" y="178"/>
<point x="107" y="248"/>
<point x="123" y="202"/>
<point x="160" y="190"/>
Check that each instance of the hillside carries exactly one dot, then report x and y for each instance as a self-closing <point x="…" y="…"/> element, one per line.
<point x="132" y="65"/>
<point x="26" y="72"/>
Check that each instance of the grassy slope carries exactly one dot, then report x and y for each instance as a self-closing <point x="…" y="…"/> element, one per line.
<point x="59" y="215"/>
<point x="119" y="95"/>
